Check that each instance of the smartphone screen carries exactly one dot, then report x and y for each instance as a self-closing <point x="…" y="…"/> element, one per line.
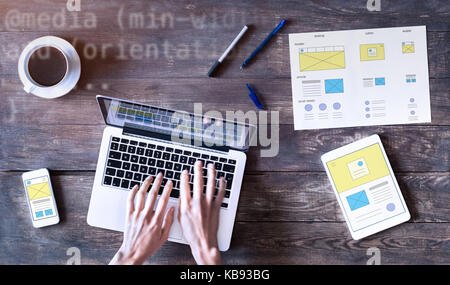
<point x="40" y="196"/>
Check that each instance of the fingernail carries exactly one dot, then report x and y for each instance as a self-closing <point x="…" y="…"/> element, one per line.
<point x="210" y="165"/>
<point x="185" y="171"/>
<point x="159" y="174"/>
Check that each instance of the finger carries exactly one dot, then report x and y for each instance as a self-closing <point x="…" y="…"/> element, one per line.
<point x="167" y="224"/>
<point x="185" y="193"/>
<point x="151" y="199"/>
<point x="163" y="201"/>
<point x="198" y="181"/>
<point x="130" y="200"/>
<point x="221" y="193"/>
<point x="140" y="199"/>
<point x="211" y="184"/>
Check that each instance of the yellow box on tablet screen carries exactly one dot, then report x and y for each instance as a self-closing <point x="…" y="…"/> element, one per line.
<point x="371" y="52"/>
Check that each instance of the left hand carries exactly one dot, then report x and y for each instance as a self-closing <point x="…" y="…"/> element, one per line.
<point x="146" y="230"/>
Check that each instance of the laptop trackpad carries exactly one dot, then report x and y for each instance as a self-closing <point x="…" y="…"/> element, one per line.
<point x="175" y="231"/>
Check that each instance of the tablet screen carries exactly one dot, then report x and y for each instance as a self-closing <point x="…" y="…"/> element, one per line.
<point x="366" y="187"/>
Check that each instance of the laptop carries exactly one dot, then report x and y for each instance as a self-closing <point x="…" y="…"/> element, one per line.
<point x="141" y="140"/>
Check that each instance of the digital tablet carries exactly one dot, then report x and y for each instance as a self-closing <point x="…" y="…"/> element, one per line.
<point x="365" y="187"/>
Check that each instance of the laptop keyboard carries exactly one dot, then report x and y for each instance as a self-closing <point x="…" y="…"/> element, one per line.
<point x="131" y="162"/>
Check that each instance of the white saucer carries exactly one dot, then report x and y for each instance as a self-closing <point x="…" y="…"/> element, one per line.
<point x="66" y="84"/>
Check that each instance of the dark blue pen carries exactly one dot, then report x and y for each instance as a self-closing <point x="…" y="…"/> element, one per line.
<point x="263" y="43"/>
<point x="254" y="98"/>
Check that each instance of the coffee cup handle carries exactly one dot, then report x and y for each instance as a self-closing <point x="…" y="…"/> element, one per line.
<point x="29" y="88"/>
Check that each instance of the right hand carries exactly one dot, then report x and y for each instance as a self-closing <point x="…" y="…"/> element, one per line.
<point x="199" y="215"/>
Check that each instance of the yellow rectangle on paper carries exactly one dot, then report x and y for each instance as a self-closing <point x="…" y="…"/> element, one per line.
<point x="371" y="52"/>
<point x="39" y="190"/>
<point x="357" y="168"/>
<point x="409" y="48"/>
<point x="322" y="60"/>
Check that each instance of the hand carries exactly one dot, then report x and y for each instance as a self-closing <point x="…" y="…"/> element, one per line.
<point x="199" y="215"/>
<point x="146" y="230"/>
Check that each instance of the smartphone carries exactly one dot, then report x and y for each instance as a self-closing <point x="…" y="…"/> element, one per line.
<point x="40" y="198"/>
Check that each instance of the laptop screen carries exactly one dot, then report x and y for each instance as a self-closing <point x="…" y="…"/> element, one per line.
<point x="177" y="126"/>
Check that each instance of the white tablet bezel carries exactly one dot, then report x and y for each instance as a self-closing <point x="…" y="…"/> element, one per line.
<point x="347" y="149"/>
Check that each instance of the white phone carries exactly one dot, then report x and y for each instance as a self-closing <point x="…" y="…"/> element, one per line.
<point x="40" y="198"/>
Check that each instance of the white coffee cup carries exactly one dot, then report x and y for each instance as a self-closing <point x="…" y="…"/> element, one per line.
<point x="70" y="79"/>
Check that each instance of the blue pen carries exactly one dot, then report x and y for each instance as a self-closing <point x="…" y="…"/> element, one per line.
<point x="254" y="98"/>
<point x="263" y="43"/>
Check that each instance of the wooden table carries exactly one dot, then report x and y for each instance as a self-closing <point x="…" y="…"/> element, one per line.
<point x="287" y="212"/>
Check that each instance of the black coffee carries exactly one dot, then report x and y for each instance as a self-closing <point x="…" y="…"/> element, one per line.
<point x="47" y="66"/>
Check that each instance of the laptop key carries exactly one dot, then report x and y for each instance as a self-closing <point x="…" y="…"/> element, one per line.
<point x="110" y="171"/>
<point x="120" y="173"/>
<point x="218" y="166"/>
<point x="232" y="161"/>
<point x="143" y="144"/>
<point x="143" y="169"/>
<point x="129" y="175"/>
<point x="166" y="156"/>
<point x="169" y="149"/>
<point x="205" y="156"/>
<point x="114" y="163"/>
<point x="148" y="152"/>
<point x="140" y="151"/>
<point x="169" y="165"/>
<point x="177" y="167"/>
<point x="191" y="160"/>
<point x="160" y="163"/>
<point x="160" y="147"/>
<point x="134" y="158"/>
<point x="228" y="168"/>
<point x="142" y="160"/>
<point x="132" y="183"/>
<point x="126" y="165"/>
<point x="125" y="156"/>
<point x="169" y="174"/>
<point x="135" y="167"/>
<point x="115" y="139"/>
<point x="158" y="154"/>
<point x="196" y="154"/>
<point x="131" y="149"/>
<point x="177" y="176"/>
<point x="123" y="147"/>
<point x="107" y="180"/>
<point x="114" y="154"/>
<point x="152" y="146"/>
<point x="125" y="184"/>
<point x="227" y="193"/>
<point x="174" y="157"/>
<point x="133" y="142"/>
<point x="186" y="152"/>
<point x="114" y="146"/>
<point x="179" y="151"/>
<point x="116" y="182"/>
<point x="222" y="159"/>
<point x="214" y="158"/>
<point x="152" y="171"/>
<point x="124" y="141"/>
<point x="151" y="162"/>
<point x="137" y="177"/>
<point x="224" y="205"/>
<point x="183" y="159"/>
<point x="175" y="193"/>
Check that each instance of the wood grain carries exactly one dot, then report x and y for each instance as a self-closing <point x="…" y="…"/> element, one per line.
<point x="75" y="147"/>
<point x="287" y="212"/>
<point x="80" y="107"/>
<point x="177" y="54"/>
<point x="288" y="223"/>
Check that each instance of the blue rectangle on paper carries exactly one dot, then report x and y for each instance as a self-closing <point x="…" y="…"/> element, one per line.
<point x="334" y="86"/>
<point x="380" y="81"/>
